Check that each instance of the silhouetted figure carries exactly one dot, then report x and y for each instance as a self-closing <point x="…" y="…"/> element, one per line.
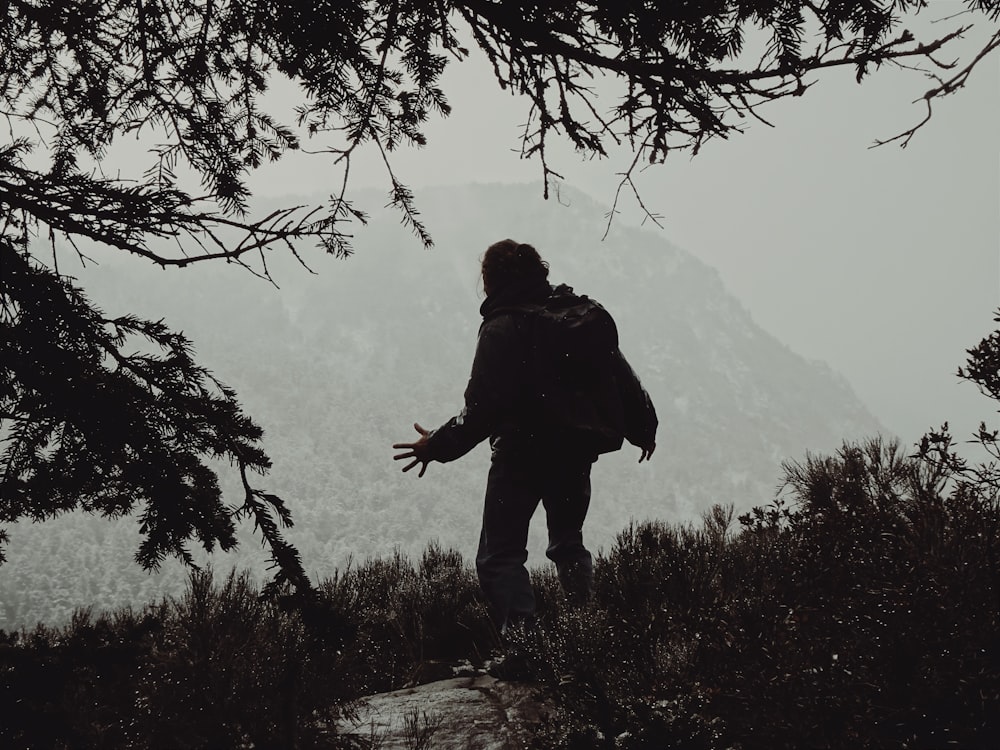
<point x="551" y="390"/>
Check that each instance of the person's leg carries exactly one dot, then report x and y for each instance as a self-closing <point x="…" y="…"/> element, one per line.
<point x="566" y="500"/>
<point x="511" y="499"/>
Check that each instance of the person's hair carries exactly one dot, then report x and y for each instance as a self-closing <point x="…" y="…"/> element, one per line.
<point x="507" y="261"/>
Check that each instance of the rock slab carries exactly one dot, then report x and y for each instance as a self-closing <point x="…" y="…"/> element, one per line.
<point x="475" y="712"/>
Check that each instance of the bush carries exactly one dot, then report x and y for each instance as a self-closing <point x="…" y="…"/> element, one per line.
<point x="221" y="666"/>
<point x="66" y="688"/>
<point x="857" y="610"/>
<point x="404" y="617"/>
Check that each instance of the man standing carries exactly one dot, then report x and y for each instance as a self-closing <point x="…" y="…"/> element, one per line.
<point x="547" y="422"/>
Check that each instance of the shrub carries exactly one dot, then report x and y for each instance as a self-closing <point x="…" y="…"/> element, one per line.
<point x="66" y="687"/>
<point x="404" y="616"/>
<point x="859" y="609"/>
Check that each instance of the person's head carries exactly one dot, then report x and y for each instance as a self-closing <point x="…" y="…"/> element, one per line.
<point x="508" y="261"/>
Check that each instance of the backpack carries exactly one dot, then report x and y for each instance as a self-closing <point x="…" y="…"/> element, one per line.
<point x="574" y="345"/>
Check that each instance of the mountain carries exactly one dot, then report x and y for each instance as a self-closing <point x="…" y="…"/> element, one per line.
<point x="337" y="366"/>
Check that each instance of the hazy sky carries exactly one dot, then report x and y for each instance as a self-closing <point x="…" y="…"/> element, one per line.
<point x="881" y="262"/>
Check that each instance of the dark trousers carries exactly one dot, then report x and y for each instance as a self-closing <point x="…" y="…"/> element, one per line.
<point x="516" y="484"/>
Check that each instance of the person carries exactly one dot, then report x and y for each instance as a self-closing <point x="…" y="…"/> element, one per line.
<point x="536" y="457"/>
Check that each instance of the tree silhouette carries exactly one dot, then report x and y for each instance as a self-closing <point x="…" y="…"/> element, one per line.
<point x="85" y="425"/>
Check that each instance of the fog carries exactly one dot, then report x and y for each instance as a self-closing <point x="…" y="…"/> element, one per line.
<point x="882" y="262"/>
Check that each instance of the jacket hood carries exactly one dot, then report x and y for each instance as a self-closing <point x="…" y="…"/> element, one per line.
<point x="533" y="290"/>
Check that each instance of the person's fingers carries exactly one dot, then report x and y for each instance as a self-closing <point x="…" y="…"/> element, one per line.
<point x="411" y="451"/>
<point x="410" y="446"/>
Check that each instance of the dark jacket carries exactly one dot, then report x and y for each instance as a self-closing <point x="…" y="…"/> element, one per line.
<point x="501" y="397"/>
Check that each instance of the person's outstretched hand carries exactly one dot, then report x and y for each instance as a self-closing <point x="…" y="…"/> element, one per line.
<point x="417" y="451"/>
<point x="647" y="452"/>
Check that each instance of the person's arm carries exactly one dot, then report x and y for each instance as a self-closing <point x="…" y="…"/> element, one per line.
<point x="489" y="395"/>
<point x="640" y="415"/>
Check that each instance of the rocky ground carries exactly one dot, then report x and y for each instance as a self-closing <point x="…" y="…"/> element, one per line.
<point x="470" y="711"/>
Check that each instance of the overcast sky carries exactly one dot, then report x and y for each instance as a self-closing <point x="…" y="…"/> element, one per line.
<point x="882" y="262"/>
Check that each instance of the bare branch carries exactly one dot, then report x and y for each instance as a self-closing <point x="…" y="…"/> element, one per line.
<point x="944" y="88"/>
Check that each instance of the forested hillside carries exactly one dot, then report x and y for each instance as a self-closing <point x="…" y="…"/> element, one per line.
<point x="337" y="366"/>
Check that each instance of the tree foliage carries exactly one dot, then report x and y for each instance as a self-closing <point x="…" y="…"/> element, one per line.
<point x="192" y="74"/>
<point x="191" y="77"/>
<point x="95" y="428"/>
